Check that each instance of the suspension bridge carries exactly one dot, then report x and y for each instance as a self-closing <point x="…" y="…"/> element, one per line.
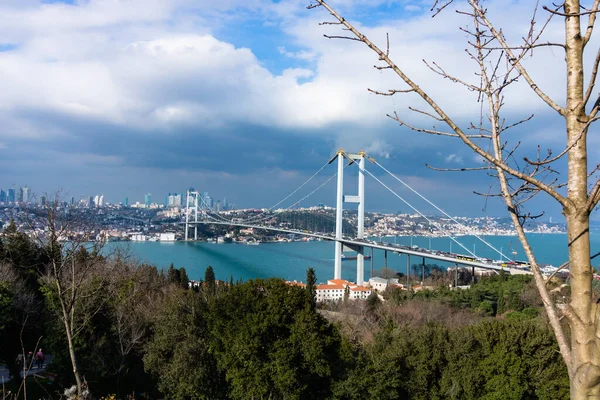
<point x="197" y="212"/>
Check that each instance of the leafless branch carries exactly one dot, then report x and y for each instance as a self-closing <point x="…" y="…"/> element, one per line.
<point x="591" y="22"/>
<point x="342" y="37"/>
<point x="594" y="74"/>
<point x="577" y="14"/>
<point x="390" y="92"/>
<point x="425" y="113"/>
<point x="528" y="47"/>
<point x="517" y="123"/>
<point x="441" y="7"/>
<point x="458" y="169"/>
<point x="414" y="128"/>
<point x="515" y="60"/>
<point x="440" y="71"/>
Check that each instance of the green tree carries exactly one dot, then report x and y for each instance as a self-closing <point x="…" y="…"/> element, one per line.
<point x="507" y="359"/>
<point x="268" y="344"/>
<point x="183" y="278"/>
<point x="173" y="275"/>
<point x="311" y="288"/>
<point x="178" y="354"/>
<point x="209" y="280"/>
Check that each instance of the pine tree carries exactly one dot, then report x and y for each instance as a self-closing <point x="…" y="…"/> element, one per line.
<point x="183" y="278"/>
<point x="209" y="279"/>
<point x="311" y="289"/>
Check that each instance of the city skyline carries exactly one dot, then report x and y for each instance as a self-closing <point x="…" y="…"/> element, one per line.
<point x="246" y="97"/>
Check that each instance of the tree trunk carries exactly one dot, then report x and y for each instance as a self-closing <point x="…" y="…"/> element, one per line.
<point x="584" y="369"/>
<point x="73" y="360"/>
<point x="68" y="332"/>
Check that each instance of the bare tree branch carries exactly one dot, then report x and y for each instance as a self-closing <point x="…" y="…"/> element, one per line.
<point x="591" y="22"/>
<point x="481" y="14"/>
<point x="360" y="37"/>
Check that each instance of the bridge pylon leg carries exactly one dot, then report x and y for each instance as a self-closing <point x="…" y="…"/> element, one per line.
<point x="187" y="214"/>
<point x="360" y="258"/>
<point x="337" y="272"/>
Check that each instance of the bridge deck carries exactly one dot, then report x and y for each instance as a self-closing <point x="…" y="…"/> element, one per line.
<point x="399" y="249"/>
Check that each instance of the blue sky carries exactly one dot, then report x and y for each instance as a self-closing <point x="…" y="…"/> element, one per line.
<point x="244" y="99"/>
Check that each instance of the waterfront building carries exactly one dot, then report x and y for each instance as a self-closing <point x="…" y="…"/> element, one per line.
<point x="335" y="289"/>
<point x="167" y="237"/>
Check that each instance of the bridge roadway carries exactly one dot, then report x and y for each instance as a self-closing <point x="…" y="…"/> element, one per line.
<point x="382" y="246"/>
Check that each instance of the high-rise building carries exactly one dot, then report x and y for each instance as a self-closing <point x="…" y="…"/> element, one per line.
<point x="72" y="200"/>
<point x="100" y="201"/>
<point x="20" y="195"/>
<point x="224" y="203"/>
<point x="148" y="199"/>
<point x="11" y="195"/>
<point x="173" y="200"/>
<point x="43" y="200"/>
<point x="2" y="196"/>
<point x="126" y="202"/>
<point x="25" y="194"/>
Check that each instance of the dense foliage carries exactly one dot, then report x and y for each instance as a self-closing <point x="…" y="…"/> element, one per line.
<point x="143" y="330"/>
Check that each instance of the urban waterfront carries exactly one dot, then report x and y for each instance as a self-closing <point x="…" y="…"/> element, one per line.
<point x="290" y="260"/>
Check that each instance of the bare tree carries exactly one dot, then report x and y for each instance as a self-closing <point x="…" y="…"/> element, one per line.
<point x="74" y="286"/>
<point x="499" y="64"/>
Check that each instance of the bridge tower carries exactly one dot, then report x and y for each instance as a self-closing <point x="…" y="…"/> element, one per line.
<point x="360" y="199"/>
<point x="193" y="195"/>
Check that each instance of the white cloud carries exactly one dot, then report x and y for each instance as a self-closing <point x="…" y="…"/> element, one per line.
<point x="454" y="158"/>
<point x="412" y="8"/>
<point x="158" y="64"/>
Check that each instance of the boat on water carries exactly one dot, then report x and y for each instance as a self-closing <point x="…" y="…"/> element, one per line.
<point x="345" y="257"/>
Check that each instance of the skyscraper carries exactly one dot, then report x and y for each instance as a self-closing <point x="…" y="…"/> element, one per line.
<point x="11" y="195"/>
<point x="173" y="200"/>
<point x="25" y="191"/>
<point x="126" y="202"/>
<point x="2" y="196"/>
<point x="148" y="199"/>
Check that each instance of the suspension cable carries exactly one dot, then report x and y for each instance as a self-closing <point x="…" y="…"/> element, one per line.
<point x="260" y="219"/>
<point x="420" y="213"/>
<point x="439" y="209"/>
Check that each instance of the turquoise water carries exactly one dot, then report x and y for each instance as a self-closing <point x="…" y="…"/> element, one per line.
<point x="290" y="260"/>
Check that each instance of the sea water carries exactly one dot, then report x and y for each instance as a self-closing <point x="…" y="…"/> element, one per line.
<point x="291" y="260"/>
